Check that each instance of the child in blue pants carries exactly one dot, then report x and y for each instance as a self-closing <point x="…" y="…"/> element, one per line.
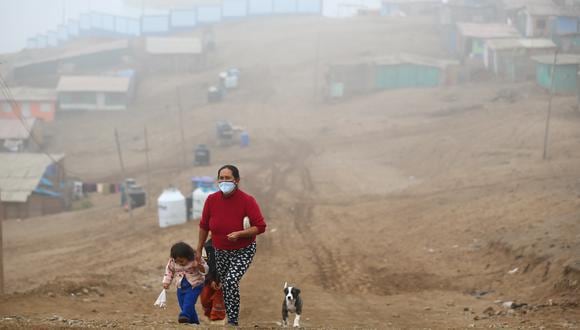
<point x="189" y="275"/>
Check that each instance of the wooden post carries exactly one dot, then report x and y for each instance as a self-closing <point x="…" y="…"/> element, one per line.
<point x="148" y="169"/>
<point x="547" y="129"/>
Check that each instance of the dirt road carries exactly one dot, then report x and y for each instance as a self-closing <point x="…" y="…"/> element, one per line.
<point x="409" y="208"/>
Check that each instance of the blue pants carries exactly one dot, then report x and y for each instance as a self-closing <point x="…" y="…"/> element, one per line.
<point x="187" y="297"/>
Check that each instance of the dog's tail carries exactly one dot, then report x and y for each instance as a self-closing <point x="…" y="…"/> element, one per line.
<point x="285" y="285"/>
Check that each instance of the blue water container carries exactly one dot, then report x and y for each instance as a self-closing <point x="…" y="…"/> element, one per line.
<point x="202" y="182"/>
<point x="244" y="139"/>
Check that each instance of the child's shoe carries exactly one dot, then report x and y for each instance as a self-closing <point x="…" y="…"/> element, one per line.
<point x="183" y="319"/>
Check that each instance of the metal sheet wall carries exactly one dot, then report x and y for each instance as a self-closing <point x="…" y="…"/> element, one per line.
<point x="309" y="6"/>
<point x="183" y="18"/>
<point x="52" y="39"/>
<point x="155" y="24"/>
<point x="260" y="7"/>
<point x="235" y="8"/>
<point x="209" y="14"/>
<point x="73" y="28"/>
<point x="285" y="6"/>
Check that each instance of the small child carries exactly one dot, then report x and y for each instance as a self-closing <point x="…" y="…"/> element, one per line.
<point x="212" y="296"/>
<point x="190" y="277"/>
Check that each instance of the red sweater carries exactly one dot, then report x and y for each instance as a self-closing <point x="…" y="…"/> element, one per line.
<point x="223" y="215"/>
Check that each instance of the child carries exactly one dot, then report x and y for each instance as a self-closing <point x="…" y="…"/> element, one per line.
<point x="189" y="275"/>
<point x="212" y="297"/>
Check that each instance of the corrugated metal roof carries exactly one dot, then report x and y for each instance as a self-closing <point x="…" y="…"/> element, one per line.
<point x="550" y="10"/>
<point x="93" y="84"/>
<point x="510" y="43"/>
<point x="507" y="43"/>
<point x="519" y="4"/>
<point x="167" y="46"/>
<point x="487" y="30"/>
<point x="14" y="128"/>
<point x="414" y="59"/>
<point x="21" y="93"/>
<point x="537" y="43"/>
<point x="93" y="49"/>
<point x="560" y="59"/>
<point x="20" y="173"/>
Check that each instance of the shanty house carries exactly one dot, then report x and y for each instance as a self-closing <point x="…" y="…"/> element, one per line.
<point x="45" y="70"/>
<point x="95" y="93"/>
<point x="471" y="37"/>
<point x="511" y="58"/>
<point x="175" y="54"/>
<point x="20" y="135"/>
<point x="547" y="20"/>
<point x="412" y="71"/>
<point x="350" y="78"/>
<point x="26" y="102"/>
<point x="32" y="185"/>
<point x="565" y="71"/>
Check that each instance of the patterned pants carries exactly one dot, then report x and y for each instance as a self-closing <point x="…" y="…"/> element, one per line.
<point x="231" y="266"/>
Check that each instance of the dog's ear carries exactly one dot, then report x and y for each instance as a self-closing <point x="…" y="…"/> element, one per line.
<point x="297" y="290"/>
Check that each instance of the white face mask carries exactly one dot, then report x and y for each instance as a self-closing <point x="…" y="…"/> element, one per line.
<point x="227" y="186"/>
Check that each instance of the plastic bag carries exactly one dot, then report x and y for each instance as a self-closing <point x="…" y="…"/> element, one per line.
<point x="161" y="301"/>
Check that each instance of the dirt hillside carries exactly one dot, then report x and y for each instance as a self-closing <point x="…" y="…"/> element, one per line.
<point x="411" y="208"/>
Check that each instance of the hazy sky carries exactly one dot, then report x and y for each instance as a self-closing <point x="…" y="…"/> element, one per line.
<point x="22" y="19"/>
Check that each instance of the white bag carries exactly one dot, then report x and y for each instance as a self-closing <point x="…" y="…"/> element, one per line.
<point x="161" y="301"/>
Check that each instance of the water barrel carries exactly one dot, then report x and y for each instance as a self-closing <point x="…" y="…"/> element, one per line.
<point x="202" y="181"/>
<point x="199" y="196"/>
<point x="137" y="196"/>
<point x="231" y="82"/>
<point x="244" y="139"/>
<point x="171" y="208"/>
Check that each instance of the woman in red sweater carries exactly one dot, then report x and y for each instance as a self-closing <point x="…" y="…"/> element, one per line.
<point x="235" y="246"/>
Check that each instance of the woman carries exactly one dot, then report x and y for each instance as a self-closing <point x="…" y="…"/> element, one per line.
<point x="235" y="247"/>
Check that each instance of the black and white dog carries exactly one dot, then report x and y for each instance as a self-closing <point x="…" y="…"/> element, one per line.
<point x="292" y="303"/>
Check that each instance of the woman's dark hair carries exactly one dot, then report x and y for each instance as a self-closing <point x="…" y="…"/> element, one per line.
<point x="182" y="250"/>
<point x="235" y="171"/>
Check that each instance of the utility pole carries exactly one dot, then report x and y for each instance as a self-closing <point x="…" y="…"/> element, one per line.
<point x="181" y="128"/>
<point x="316" y="67"/>
<point x="547" y="130"/>
<point x="148" y="169"/>
<point x="126" y="196"/>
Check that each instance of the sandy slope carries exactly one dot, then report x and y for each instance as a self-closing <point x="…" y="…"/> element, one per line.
<point x="404" y="208"/>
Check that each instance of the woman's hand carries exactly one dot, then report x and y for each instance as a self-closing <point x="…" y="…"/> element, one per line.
<point x="233" y="236"/>
<point x="166" y="286"/>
